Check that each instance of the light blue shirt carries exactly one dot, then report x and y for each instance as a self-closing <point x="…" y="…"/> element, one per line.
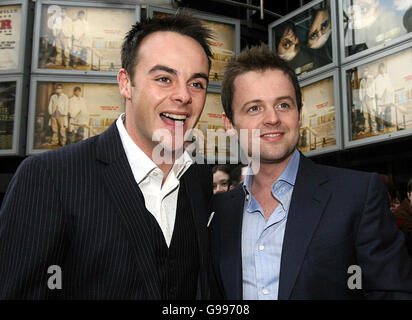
<point x="262" y="240"/>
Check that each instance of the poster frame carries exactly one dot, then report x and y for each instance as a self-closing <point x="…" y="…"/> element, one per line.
<point x="334" y="35"/>
<point x="348" y="143"/>
<point x="33" y="97"/>
<point x="334" y="74"/>
<point x="22" y="37"/>
<point x="387" y="44"/>
<point x="19" y="123"/>
<point x="37" y="26"/>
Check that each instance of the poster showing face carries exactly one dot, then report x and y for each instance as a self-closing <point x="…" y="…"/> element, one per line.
<point x="305" y="41"/>
<point x="82" y="38"/>
<point x="214" y="141"/>
<point x="10" y="22"/>
<point x="369" y="23"/>
<point x="7" y="109"/>
<point x="380" y="96"/>
<point x="318" y="116"/>
<point x="67" y="112"/>
<point x="223" y="46"/>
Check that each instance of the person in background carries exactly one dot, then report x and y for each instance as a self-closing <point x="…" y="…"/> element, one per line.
<point x="221" y="178"/>
<point x="403" y="215"/>
<point x="58" y="110"/>
<point x="79" y="115"/>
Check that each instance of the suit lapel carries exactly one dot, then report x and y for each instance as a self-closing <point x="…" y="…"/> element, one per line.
<point x="196" y="198"/>
<point x="307" y="205"/>
<point x="231" y="266"/>
<point x="128" y="199"/>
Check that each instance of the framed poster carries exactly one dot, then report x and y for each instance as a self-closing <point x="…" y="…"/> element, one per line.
<point x="226" y="42"/>
<point x="321" y="116"/>
<point x="367" y="26"/>
<point x="13" y="18"/>
<point x="307" y="38"/>
<point x="212" y="141"/>
<point x="77" y="37"/>
<point x="64" y="111"/>
<point x="11" y="115"/>
<point x="378" y="97"/>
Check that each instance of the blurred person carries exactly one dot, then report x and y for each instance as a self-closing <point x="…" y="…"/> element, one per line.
<point x="319" y="38"/>
<point x="79" y="115"/>
<point x="296" y="228"/>
<point x="384" y="98"/>
<point x="403" y="210"/>
<point x="221" y="178"/>
<point x="320" y="30"/>
<point x="81" y="42"/>
<point x="290" y="49"/>
<point x="368" y="102"/>
<point x="63" y="31"/>
<point x="119" y="222"/>
<point x="58" y="110"/>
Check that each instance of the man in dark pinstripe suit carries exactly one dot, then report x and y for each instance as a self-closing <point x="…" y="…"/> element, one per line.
<point x="108" y="217"/>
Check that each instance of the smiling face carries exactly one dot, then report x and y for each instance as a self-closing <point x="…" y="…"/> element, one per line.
<point x="168" y="90"/>
<point x="266" y="100"/>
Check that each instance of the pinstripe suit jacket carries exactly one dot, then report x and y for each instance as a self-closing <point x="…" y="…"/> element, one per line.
<point x="80" y="208"/>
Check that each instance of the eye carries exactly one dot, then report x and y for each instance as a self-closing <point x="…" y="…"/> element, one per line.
<point x="324" y="25"/>
<point x="198" y="85"/>
<point x="253" y="109"/>
<point x="314" y="35"/>
<point x="163" y="80"/>
<point x="283" y="106"/>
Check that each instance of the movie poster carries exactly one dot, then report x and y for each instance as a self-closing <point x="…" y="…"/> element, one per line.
<point x="223" y="48"/>
<point x="369" y="23"/>
<point x="305" y="40"/>
<point x="318" y="116"/>
<point x="10" y="24"/>
<point x="214" y="141"/>
<point x="82" y="38"/>
<point x="67" y="112"/>
<point x="380" y="96"/>
<point x="7" y="110"/>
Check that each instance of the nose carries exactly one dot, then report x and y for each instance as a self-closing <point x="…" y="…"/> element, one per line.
<point x="181" y="94"/>
<point x="271" y="118"/>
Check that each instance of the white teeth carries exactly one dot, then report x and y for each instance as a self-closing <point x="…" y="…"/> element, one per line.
<point x="175" y="116"/>
<point x="272" y="135"/>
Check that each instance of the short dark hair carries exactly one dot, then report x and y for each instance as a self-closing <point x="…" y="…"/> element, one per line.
<point x="181" y="23"/>
<point x="77" y="89"/>
<point x="256" y="58"/>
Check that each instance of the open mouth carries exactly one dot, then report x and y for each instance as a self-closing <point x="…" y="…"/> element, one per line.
<point x="174" y="117"/>
<point x="271" y="135"/>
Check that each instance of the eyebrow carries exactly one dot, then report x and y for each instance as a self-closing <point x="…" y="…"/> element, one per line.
<point x="172" y="71"/>
<point x="277" y="99"/>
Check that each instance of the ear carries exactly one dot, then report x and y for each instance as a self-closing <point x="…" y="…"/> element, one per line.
<point x="230" y="130"/>
<point x="300" y="119"/>
<point x="125" y="84"/>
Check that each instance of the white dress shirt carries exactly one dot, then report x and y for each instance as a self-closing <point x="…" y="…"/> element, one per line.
<point x="160" y="201"/>
<point x="77" y="104"/>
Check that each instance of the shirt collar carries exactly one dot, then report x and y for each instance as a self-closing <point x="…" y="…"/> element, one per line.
<point x="140" y="163"/>
<point x="288" y="174"/>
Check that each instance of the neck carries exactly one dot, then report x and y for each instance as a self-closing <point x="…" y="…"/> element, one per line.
<point x="148" y="148"/>
<point x="269" y="172"/>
